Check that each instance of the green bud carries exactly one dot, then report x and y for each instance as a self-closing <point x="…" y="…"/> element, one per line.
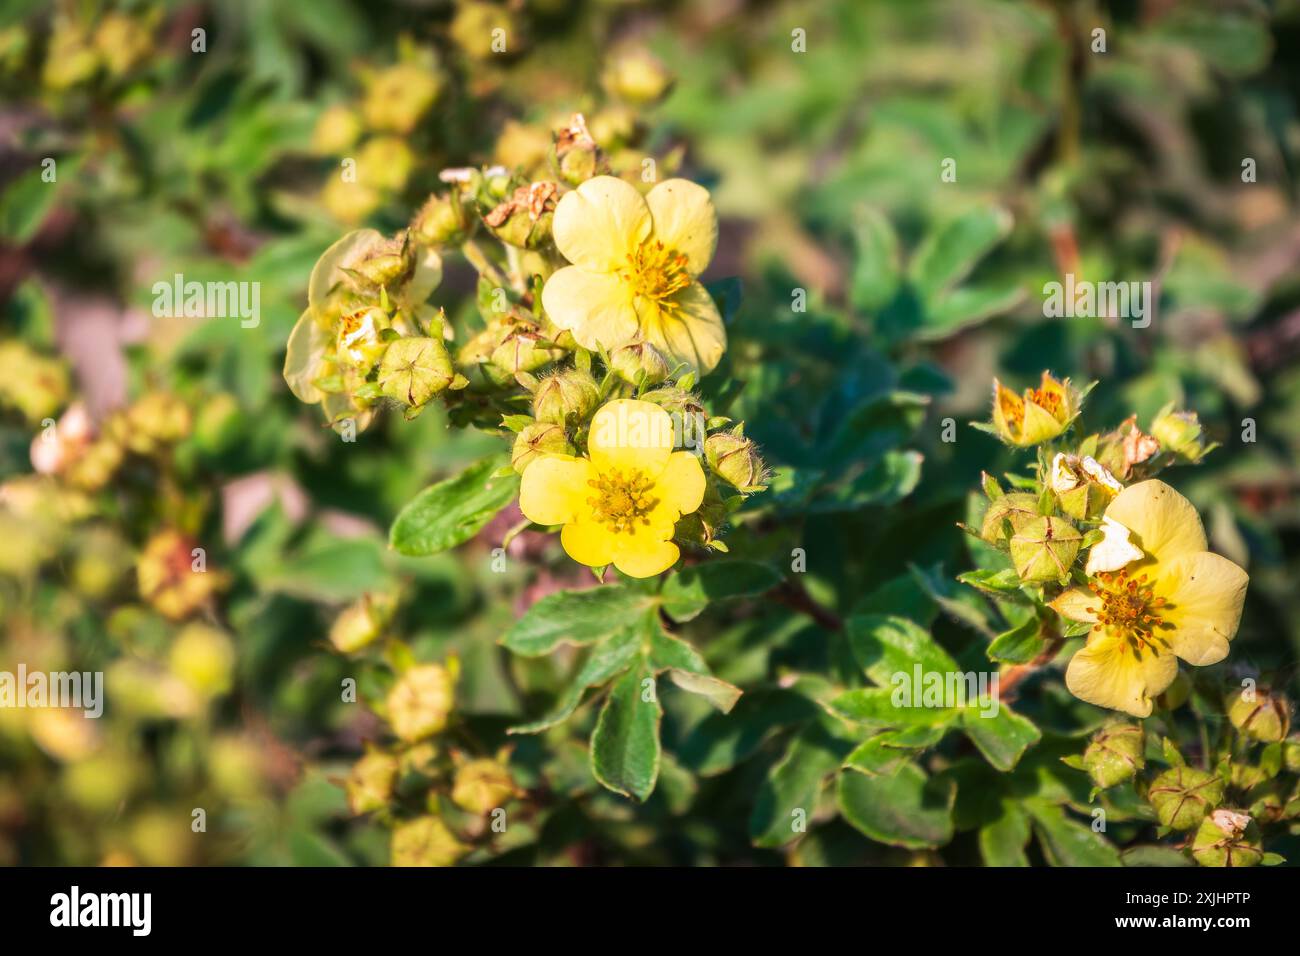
<point x="1044" y="548"/>
<point x="442" y="221"/>
<point x="1227" y="838"/>
<point x="540" y="438"/>
<point x="675" y="401"/>
<point x="1260" y="714"/>
<point x="577" y="156"/>
<point x="481" y="786"/>
<point x="414" y="370"/>
<point x="420" y="702"/>
<point x="735" y="459"/>
<point x="370" y="784"/>
<point x="636" y="76"/>
<point x="1115" y="754"/>
<point x="1182" y="796"/>
<point x="426" y="841"/>
<point x="1176" y="694"/>
<point x="1180" y="433"/>
<point x="631" y="362"/>
<point x="362" y="622"/>
<point x="1020" y="508"/>
<point x="522" y="350"/>
<point x="567" y="396"/>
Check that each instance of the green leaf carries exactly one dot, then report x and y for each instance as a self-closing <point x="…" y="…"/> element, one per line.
<point x="575" y="617"/>
<point x="948" y="254"/>
<point x="1067" y="842"/>
<point x="1155" y="855"/>
<point x="607" y="659"/>
<point x="689" y="591"/>
<point x="787" y="798"/>
<point x="452" y="511"/>
<point x="874" y="707"/>
<point x="885" y="645"/>
<point x="954" y="311"/>
<point x="719" y="693"/>
<point x="1002" y="738"/>
<point x="905" y="808"/>
<point x="876" y="262"/>
<point x="1018" y="645"/>
<point x="1002" y="841"/>
<point x="28" y="199"/>
<point x="625" y="745"/>
<point x="719" y="742"/>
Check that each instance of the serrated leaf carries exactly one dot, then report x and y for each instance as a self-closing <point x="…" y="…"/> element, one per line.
<point x="1002" y="737"/>
<point x="874" y="706"/>
<point x="1018" y="645"/>
<point x="948" y="254"/>
<point x="787" y="797"/>
<point x="1002" y="841"/>
<point x="720" y="741"/>
<point x="884" y="645"/>
<point x="607" y="659"/>
<point x="1067" y="842"/>
<point x="452" y="511"/>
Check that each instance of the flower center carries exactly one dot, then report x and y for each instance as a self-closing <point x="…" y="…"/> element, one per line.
<point x="1049" y="401"/>
<point x="1129" y="608"/>
<point x="621" y="500"/>
<point x="655" y="271"/>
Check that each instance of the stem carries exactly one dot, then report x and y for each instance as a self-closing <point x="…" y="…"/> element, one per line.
<point x="1014" y="675"/>
<point x="793" y="595"/>
<point x="479" y="260"/>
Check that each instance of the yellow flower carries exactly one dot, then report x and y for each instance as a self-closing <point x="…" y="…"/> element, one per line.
<point x="620" y="505"/>
<point x="1174" y="599"/>
<point x="1041" y="415"/>
<point x="635" y="263"/>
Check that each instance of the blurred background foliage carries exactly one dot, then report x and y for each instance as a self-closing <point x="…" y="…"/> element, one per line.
<point x="879" y="301"/>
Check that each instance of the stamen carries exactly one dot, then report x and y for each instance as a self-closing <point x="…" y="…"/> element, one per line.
<point x="655" y="271"/>
<point x="622" y="501"/>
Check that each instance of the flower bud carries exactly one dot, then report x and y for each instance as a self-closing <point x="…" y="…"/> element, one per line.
<point x="1179" y="433"/>
<point x="337" y="130"/>
<point x="1227" y="838"/>
<point x="577" y="156"/>
<point x="565" y="397"/>
<point x="385" y="263"/>
<point x="420" y="702"/>
<point x="1083" y="486"/>
<point x="675" y="401"/>
<point x="524" y="219"/>
<point x="482" y="785"/>
<point x="522" y="350"/>
<point x="735" y="459"/>
<point x="414" y="370"/>
<point x="639" y="363"/>
<point x="370" y="783"/>
<point x="169" y="579"/>
<point x="399" y="96"/>
<point x="1182" y="796"/>
<point x="203" y="658"/>
<point x="442" y="221"/>
<point x="635" y="75"/>
<point x="1115" y="754"/>
<point x="158" y="418"/>
<point x="360" y="336"/>
<point x="426" y="841"/>
<point x="122" y="42"/>
<point x="1018" y="508"/>
<point x="1260" y="714"/>
<point x="540" y="438"/>
<point x="384" y="163"/>
<point x="347" y="202"/>
<point x="1044" y="549"/>
<point x="1121" y="450"/>
<point x="362" y="622"/>
<point x="484" y="30"/>
<point x="35" y="385"/>
<point x="1041" y="415"/>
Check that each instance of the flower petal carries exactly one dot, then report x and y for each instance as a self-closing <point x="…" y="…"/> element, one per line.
<point x="588" y="542"/>
<point x="1108" y="672"/>
<point x="1163" y="523"/>
<point x="595" y="306"/>
<point x="640" y="556"/>
<point x="629" y="434"/>
<point x="554" y="489"/>
<point x="1205" y="593"/>
<point x="600" y="223"/>
<point x="1076" y="604"/>
<point x="685" y="221"/>
<point x="680" y="488"/>
<point x="687" y="328"/>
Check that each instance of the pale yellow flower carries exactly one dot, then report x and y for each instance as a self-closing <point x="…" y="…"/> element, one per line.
<point x="1175" y="599"/>
<point x="635" y="267"/>
<point x="619" y="505"/>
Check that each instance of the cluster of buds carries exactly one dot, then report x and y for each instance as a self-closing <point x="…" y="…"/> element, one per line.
<point x="369" y="136"/>
<point x="86" y="49"/>
<point x="86" y="456"/>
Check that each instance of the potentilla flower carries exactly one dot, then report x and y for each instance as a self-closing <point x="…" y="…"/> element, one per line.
<point x="1170" y="599"/>
<point x="1039" y="416"/>
<point x="619" y="505"/>
<point x="635" y="263"/>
